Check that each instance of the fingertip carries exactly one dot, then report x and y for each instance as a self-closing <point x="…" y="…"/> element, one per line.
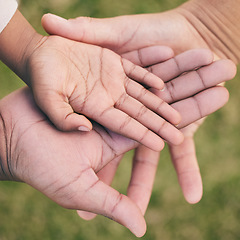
<point x="159" y="84"/>
<point x="73" y="122"/>
<point x="50" y="16"/>
<point x="194" y="58"/>
<point x="229" y="68"/>
<point x="157" y="144"/>
<point x="52" y="23"/>
<point x="141" y="232"/>
<point x="167" y="51"/>
<point x="179" y="138"/>
<point x="176" y="139"/>
<point x="191" y="184"/>
<point x="225" y="94"/>
<point x="127" y="213"/>
<point x="155" y="82"/>
<point x="219" y="97"/>
<point x="207" y="55"/>
<point x="83" y="129"/>
<point x="46" y="15"/>
<point x="194" y="196"/>
<point x="176" y="120"/>
<point x="87" y="216"/>
<point x="204" y="56"/>
<point x="156" y="54"/>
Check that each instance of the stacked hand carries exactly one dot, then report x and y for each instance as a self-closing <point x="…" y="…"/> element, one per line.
<point x="75" y="169"/>
<point x="72" y="81"/>
<point x="171" y="28"/>
<point x="98" y="83"/>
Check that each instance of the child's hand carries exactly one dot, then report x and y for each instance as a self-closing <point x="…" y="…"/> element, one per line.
<point x="70" y="78"/>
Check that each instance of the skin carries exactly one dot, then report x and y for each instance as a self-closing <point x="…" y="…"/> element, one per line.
<point x="123" y="105"/>
<point x="208" y="24"/>
<point x="19" y="114"/>
<point x="71" y="81"/>
<point x="74" y="169"/>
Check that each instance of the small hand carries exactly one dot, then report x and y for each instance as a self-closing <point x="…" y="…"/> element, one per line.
<point x="70" y="78"/>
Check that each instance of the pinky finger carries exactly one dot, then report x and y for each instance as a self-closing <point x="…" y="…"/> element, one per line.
<point x="142" y="75"/>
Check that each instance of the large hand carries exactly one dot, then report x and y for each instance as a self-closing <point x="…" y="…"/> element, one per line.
<point x="63" y="165"/>
<point x="194" y="106"/>
<point x="171" y="28"/>
<point x="184" y="156"/>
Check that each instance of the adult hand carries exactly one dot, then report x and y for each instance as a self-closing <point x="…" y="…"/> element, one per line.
<point x="71" y="167"/>
<point x="180" y="30"/>
<point x="63" y="165"/>
<point x="181" y="92"/>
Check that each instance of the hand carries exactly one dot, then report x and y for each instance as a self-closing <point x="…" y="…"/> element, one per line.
<point x="63" y="165"/>
<point x="183" y="156"/>
<point x="176" y="92"/>
<point x="171" y="28"/>
<point x="68" y="166"/>
<point x="98" y="83"/>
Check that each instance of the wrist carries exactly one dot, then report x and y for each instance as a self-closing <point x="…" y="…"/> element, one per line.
<point x="17" y="42"/>
<point x="10" y="138"/>
<point x="4" y="169"/>
<point x="217" y="23"/>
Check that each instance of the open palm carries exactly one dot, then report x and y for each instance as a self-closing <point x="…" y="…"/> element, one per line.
<point x="171" y="28"/>
<point x="99" y="84"/>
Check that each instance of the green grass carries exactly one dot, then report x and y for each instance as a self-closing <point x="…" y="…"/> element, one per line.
<point x="26" y="214"/>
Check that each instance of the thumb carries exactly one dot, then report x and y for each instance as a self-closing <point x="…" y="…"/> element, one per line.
<point x="61" y="114"/>
<point x="95" y="31"/>
<point x="99" y="198"/>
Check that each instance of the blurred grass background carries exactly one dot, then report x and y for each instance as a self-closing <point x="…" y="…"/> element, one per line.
<point x="26" y="214"/>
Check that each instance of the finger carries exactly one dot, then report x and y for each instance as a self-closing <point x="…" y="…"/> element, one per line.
<point x="149" y="55"/>
<point x="141" y="75"/>
<point x="125" y="125"/>
<point x="185" y="162"/>
<point x="145" y="163"/>
<point x="99" y="198"/>
<point x="183" y="62"/>
<point x="195" y="81"/>
<point x="62" y="115"/>
<point x="153" y="102"/>
<point x="106" y="175"/>
<point x="84" y="29"/>
<point x="201" y="105"/>
<point x="135" y="110"/>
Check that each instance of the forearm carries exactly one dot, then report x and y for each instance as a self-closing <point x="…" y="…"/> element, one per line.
<point x="218" y="22"/>
<point x="17" y="41"/>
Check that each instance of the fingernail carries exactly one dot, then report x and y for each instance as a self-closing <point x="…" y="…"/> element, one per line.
<point x="162" y="89"/>
<point x="83" y="129"/>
